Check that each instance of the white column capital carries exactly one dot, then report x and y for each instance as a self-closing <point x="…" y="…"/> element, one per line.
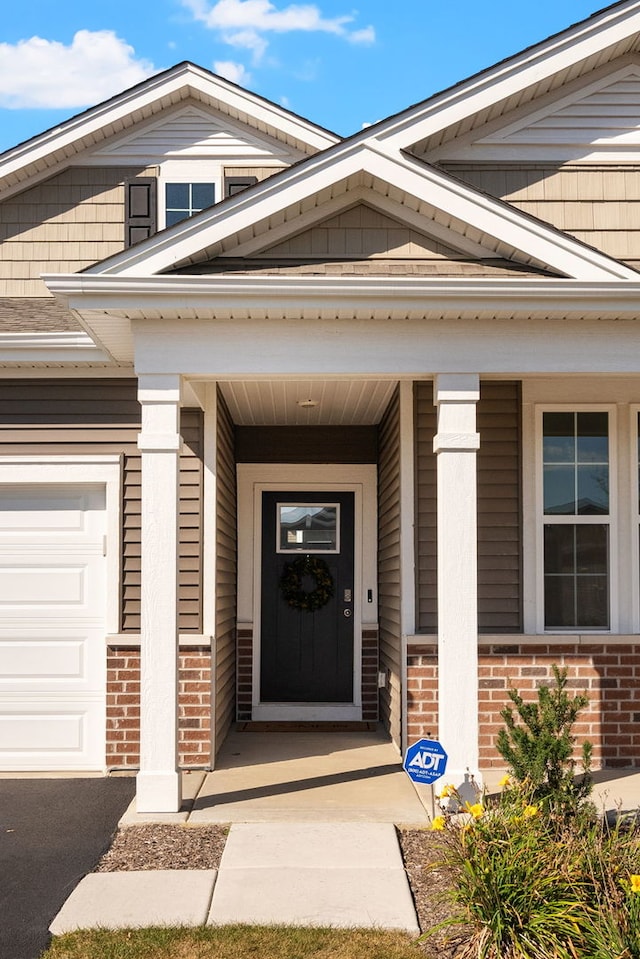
<point x="456" y="388"/>
<point x="159" y="388"/>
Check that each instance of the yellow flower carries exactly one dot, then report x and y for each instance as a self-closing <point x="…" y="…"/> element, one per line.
<point x="446" y="792"/>
<point x="437" y="823"/>
<point x="635" y="883"/>
<point x="506" y="780"/>
<point x="529" y="811"/>
<point x="476" y="810"/>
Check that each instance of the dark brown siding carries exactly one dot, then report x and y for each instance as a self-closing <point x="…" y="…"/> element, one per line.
<point x="225" y="654"/>
<point x="389" y="567"/>
<point x="306" y="444"/>
<point x="103" y="416"/>
<point x="499" y="509"/>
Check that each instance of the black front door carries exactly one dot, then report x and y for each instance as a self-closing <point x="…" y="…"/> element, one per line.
<point x="307" y="606"/>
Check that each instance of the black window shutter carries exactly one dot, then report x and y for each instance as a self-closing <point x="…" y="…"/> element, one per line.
<point x="236" y="184"/>
<point x="140" y="216"/>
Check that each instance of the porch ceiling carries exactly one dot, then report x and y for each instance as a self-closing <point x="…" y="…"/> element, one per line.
<point x="278" y="402"/>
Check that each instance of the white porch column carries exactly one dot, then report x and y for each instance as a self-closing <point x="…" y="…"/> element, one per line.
<point x="158" y="782"/>
<point x="455" y="444"/>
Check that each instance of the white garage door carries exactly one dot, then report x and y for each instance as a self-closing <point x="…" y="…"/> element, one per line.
<point x="52" y="628"/>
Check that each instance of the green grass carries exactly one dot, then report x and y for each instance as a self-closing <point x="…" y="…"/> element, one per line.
<point x="235" y="942"/>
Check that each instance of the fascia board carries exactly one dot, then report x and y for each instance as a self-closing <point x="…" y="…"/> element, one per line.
<point x="61" y="139"/>
<point x="175" y="293"/>
<point x="489" y="216"/>
<point x="55" y="347"/>
<point x="585" y="39"/>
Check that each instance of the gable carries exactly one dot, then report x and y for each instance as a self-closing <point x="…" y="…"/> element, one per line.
<point x="363" y="232"/>
<point x="595" y="120"/>
<point x="192" y="132"/>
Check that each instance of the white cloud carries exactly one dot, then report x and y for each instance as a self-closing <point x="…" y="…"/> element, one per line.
<point x="38" y="73"/>
<point x="242" y="22"/>
<point x="230" y="70"/>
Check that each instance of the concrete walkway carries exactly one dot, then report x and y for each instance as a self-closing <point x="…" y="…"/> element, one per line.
<point x="312" y="839"/>
<point x="310" y="874"/>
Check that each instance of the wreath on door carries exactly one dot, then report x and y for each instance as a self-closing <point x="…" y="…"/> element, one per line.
<point x="291" y="583"/>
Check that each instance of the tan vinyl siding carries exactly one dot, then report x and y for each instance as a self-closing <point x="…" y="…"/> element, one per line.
<point x="389" y="578"/>
<point x="599" y="205"/>
<point x="61" y="226"/>
<point x="499" y="509"/>
<point x="225" y="640"/>
<point x="362" y="232"/>
<point x="259" y="172"/>
<point x="426" y="506"/>
<point x="103" y="416"/>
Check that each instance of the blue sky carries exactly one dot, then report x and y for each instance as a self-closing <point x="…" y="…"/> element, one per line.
<point x="338" y="64"/>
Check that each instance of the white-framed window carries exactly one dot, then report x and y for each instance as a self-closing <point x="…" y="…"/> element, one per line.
<point x="576" y="507"/>
<point x="183" y="200"/>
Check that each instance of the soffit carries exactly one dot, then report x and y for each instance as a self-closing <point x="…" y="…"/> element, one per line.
<point x="520" y="99"/>
<point x="593" y="119"/>
<point x="336" y="402"/>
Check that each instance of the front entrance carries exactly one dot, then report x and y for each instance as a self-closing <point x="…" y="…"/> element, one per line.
<point x="308" y="645"/>
<point x="307" y="597"/>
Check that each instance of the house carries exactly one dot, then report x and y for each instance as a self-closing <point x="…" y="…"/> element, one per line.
<point x="358" y="442"/>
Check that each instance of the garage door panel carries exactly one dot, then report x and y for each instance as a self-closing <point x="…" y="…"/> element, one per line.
<point x="52" y="627"/>
<point x="56" y="515"/>
<point x="68" y="657"/>
<point x="50" y="734"/>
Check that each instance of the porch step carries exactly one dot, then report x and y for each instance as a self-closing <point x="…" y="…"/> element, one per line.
<point x="250" y="726"/>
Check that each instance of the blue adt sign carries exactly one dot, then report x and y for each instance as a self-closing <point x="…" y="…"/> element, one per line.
<point x="425" y="761"/>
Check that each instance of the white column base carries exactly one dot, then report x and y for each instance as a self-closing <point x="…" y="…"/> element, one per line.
<point x="158" y="792"/>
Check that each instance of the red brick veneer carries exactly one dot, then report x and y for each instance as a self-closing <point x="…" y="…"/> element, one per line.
<point x="123" y="707"/>
<point x="610" y="674"/>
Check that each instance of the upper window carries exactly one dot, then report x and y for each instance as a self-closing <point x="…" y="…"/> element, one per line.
<point x="185" y="199"/>
<point x="576" y="519"/>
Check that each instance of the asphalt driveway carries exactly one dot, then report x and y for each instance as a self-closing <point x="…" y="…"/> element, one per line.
<point x="52" y="832"/>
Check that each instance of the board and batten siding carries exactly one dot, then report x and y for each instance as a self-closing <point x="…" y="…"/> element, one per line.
<point x="62" y="225"/>
<point x="389" y="568"/>
<point x="596" y="203"/>
<point x="103" y="416"/>
<point x="226" y="574"/>
<point x="499" y="509"/>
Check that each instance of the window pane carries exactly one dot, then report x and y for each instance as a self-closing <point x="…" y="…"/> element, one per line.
<point x="593" y="437"/>
<point x="559" y="549"/>
<point x="592" y="602"/>
<point x="593" y="490"/>
<point x="559" y="438"/>
<point x="308" y="528"/>
<point x="559" y="602"/>
<point x="559" y="490"/>
<point x="592" y="548"/>
<point x="178" y="196"/>
<point x="174" y="216"/>
<point x="201" y="196"/>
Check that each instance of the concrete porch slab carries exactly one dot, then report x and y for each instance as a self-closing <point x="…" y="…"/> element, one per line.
<point x="321" y="777"/>
<point x="118" y="900"/>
